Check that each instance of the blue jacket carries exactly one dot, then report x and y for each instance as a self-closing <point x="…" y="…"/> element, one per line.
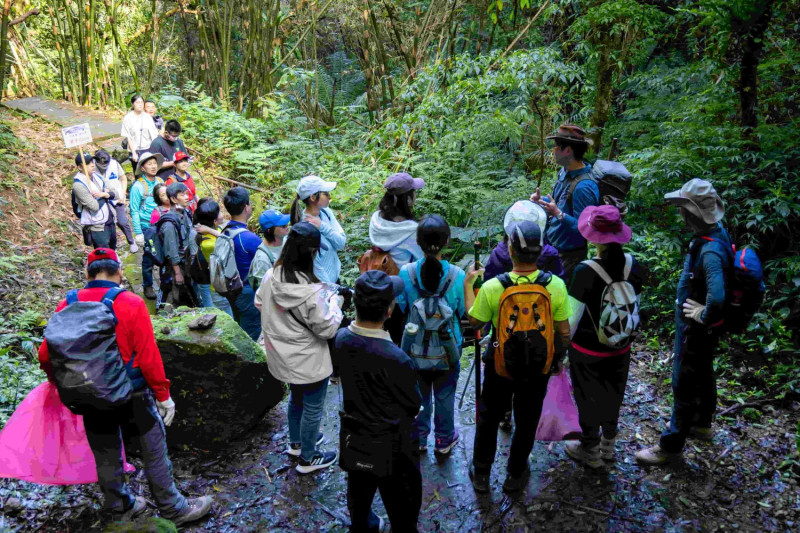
<point x="564" y="234"/>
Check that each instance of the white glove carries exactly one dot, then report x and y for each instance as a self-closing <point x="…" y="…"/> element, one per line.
<point x="139" y="239"/>
<point x="167" y="410"/>
<point x="693" y="310"/>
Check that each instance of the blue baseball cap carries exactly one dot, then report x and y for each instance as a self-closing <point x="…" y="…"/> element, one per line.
<point x="271" y="218"/>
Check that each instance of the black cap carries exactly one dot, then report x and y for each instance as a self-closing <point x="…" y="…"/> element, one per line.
<point x="525" y="236"/>
<point x="379" y="284"/>
<point x="87" y="158"/>
<point x="305" y="232"/>
<point x="102" y="155"/>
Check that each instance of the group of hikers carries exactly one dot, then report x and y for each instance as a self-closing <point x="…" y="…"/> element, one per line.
<point x="559" y="286"/>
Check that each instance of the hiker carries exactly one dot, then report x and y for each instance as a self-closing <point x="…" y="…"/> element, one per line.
<point x="150" y="109"/>
<point x="142" y="204"/>
<point x="427" y="279"/>
<point x="245" y="244"/>
<point x="274" y="228"/>
<point x="604" y="293"/>
<point x="162" y="203"/>
<point x="699" y="320"/>
<point x="393" y="229"/>
<point x="114" y="176"/>
<point x="316" y="195"/>
<point x="181" y="175"/>
<point x="168" y="144"/>
<point x="298" y="315"/>
<point x="141" y="416"/>
<point x="207" y="218"/>
<point x="380" y="398"/>
<point x="91" y="200"/>
<point x="138" y="129"/>
<point x="175" y="230"/>
<point x="527" y="381"/>
<point x="573" y="192"/>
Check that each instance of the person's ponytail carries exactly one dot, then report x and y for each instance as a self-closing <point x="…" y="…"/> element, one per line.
<point x="296" y="212"/>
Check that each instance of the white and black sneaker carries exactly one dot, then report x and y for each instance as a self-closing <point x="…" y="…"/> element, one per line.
<point x="294" y="447"/>
<point x="320" y="460"/>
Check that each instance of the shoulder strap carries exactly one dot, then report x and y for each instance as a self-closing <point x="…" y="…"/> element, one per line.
<point x="628" y="265"/>
<point x="594" y="265"/>
<point x="72" y="296"/>
<point x="166" y="218"/>
<point x="574" y="185"/>
<point x="263" y="248"/>
<point x="543" y="278"/>
<point x="412" y="275"/>
<point x="448" y="280"/>
<point x="505" y="280"/>
<point x="109" y="297"/>
<point x="234" y="232"/>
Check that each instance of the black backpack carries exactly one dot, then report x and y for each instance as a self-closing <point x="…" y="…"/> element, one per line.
<point x="613" y="181"/>
<point x="153" y="241"/>
<point x="196" y="263"/>
<point x="87" y="366"/>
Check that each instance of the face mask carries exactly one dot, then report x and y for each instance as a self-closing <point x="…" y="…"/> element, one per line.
<point x="101" y="165"/>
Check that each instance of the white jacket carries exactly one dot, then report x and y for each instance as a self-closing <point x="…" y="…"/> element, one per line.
<point x="297" y="353"/>
<point x="397" y="238"/>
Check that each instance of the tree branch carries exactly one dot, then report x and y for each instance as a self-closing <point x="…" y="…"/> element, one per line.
<point x="24" y="16"/>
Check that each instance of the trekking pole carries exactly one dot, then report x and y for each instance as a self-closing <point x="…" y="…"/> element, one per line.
<point x="466" y="384"/>
<point x="477" y="362"/>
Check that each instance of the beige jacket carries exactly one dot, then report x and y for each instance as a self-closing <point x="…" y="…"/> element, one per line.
<point x="297" y="320"/>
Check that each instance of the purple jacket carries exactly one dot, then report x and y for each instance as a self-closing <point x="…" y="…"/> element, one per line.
<point x="500" y="262"/>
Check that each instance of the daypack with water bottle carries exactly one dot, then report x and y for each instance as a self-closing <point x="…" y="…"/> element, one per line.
<point x="224" y="273"/>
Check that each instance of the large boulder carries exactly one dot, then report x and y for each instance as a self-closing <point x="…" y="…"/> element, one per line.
<point x="220" y="381"/>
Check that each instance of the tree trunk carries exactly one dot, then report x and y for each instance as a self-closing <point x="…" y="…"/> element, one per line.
<point x="4" y="44"/>
<point x="752" y="46"/>
<point x="602" y="102"/>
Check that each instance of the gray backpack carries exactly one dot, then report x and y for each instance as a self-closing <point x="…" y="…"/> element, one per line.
<point x="222" y="265"/>
<point x="429" y="335"/>
<point x="263" y="260"/>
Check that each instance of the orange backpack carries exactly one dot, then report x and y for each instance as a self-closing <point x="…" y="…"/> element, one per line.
<point x="377" y="259"/>
<point x="525" y="335"/>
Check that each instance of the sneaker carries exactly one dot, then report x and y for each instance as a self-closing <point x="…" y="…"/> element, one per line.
<point x="321" y="460"/>
<point x="196" y="509"/>
<point x="480" y="482"/>
<point x="150" y="293"/>
<point x="701" y="433"/>
<point x="655" y="456"/>
<point x="444" y="447"/>
<point x="516" y="483"/>
<point x="139" y="506"/>
<point x="607" y="448"/>
<point x="588" y="456"/>
<point x="295" y="447"/>
<point x="134" y="248"/>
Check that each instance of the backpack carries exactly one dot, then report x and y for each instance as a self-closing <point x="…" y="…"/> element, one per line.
<point x="196" y="263"/>
<point x="76" y="207"/>
<point x="524" y="339"/>
<point x="263" y="260"/>
<point x="618" y="322"/>
<point x="429" y="335"/>
<point x="224" y="274"/>
<point x="377" y="259"/>
<point x="744" y="290"/>
<point x="154" y="243"/>
<point x="87" y="367"/>
<point x="612" y="179"/>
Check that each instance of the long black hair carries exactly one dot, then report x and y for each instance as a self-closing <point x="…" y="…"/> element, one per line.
<point x="433" y="234"/>
<point x="613" y="259"/>
<point x="397" y="206"/>
<point x="297" y="210"/>
<point x="298" y="253"/>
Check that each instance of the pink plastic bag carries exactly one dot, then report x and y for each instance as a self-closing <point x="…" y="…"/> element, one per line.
<point x="559" y="420"/>
<point x="43" y="442"/>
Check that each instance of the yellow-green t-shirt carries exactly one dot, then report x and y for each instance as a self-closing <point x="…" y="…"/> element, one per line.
<point x="487" y="301"/>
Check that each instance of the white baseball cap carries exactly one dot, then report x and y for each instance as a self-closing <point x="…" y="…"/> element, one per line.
<point x="312" y="185"/>
<point x="524" y="210"/>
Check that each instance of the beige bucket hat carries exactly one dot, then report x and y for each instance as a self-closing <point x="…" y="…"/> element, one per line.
<point x="700" y="199"/>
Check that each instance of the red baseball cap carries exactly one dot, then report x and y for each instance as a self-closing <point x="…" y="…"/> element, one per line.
<point x="180" y="156"/>
<point x="102" y="253"/>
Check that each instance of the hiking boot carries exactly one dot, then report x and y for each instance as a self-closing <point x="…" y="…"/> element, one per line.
<point x="443" y="447"/>
<point x="517" y="483"/>
<point x="701" y="433"/>
<point x="295" y="447"/>
<point x="196" y="509"/>
<point x="134" y="248"/>
<point x="505" y="425"/>
<point x="588" y="456"/>
<point x="150" y="293"/>
<point x="319" y="461"/>
<point x="139" y="506"/>
<point x="480" y="482"/>
<point x="607" y="448"/>
<point x="655" y="456"/>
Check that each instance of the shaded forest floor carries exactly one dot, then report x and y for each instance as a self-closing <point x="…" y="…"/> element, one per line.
<point x="733" y="483"/>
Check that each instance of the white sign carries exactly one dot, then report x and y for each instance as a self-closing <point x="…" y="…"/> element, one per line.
<point x="76" y="135"/>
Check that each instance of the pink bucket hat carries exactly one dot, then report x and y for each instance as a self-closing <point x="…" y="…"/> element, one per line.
<point x="603" y="224"/>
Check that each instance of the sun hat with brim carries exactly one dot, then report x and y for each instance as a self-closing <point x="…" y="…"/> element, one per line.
<point x="571" y="133"/>
<point x="699" y="198"/>
<point x="402" y="182"/>
<point x="146" y="156"/>
<point x="602" y="224"/>
<point x="524" y="210"/>
<point x="312" y="185"/>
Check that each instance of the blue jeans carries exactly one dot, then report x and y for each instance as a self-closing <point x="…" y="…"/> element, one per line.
<point x="442" y="385"/>
<point x="147" y="270"/>
<point x="306" y="405"/>
<point x="209" y="298"/>
<point x="245" y="313"/>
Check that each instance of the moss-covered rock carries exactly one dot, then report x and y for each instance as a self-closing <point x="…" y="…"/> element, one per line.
<point x="220" y="381"/>
<point x="143" y="525"/>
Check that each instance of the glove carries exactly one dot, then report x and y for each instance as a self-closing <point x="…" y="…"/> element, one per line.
<point x="693" y="310"/>
<point x="167" y="410"/>
<point x="139" y="239"/>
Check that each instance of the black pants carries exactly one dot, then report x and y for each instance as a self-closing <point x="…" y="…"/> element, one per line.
<point x="396" y="324"/>
<point x="106" y="238"/>
<point x="495" y="401"/>
<point x="401" y="493"/>
<point x="599" y="388"/>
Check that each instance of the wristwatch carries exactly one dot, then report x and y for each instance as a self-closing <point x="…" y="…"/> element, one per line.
<point x="560" y="216"/>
